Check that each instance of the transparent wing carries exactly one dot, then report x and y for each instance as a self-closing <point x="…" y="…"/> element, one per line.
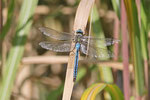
<point x="96" y="52"/>
<point x="55" y="34"/>
<point x="100" y="41"/>
<point x="63" y="46"/>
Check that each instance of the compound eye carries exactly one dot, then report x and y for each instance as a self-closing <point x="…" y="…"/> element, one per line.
<point x="79" y="31"/>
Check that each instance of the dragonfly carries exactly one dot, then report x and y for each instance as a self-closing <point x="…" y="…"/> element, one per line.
<point x="83" y="43"/>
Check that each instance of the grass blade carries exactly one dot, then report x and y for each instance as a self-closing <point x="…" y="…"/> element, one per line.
<point x="17" y="49"/>
<point x="144" y="42"/>
<point x="135" y="41"/>
<point x="98" y="32"/>
<point x="9" y="19"/>
<point x="115" y="4"/>
<point x="95" y="89"/>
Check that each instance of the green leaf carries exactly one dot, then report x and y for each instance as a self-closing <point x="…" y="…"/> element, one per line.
<point x="135" y="44"/>
<point x="95" y="89"/>
<point x="116" y="6"/>
<point x="16" y="52"/>
<point x="9" y="19"/>
<point x="98" y="32"/>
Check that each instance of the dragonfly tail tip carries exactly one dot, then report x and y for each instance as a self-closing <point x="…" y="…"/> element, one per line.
<point x="74" y="79"/>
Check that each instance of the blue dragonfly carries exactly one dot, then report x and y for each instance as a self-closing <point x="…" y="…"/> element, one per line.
<point x="81" y="44"/>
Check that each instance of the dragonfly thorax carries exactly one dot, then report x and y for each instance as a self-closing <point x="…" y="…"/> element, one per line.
<point x="78" y="38"/>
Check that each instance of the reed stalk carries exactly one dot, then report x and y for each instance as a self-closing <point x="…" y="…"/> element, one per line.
<point x="80" y="22"/>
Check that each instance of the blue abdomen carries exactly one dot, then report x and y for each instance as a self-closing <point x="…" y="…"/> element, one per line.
<point x="76" y="61"/>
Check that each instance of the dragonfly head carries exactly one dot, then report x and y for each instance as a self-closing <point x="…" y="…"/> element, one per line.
<point x="79" y="31"/>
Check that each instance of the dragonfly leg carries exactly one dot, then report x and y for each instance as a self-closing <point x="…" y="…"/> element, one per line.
<point x="73" y="50"/>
